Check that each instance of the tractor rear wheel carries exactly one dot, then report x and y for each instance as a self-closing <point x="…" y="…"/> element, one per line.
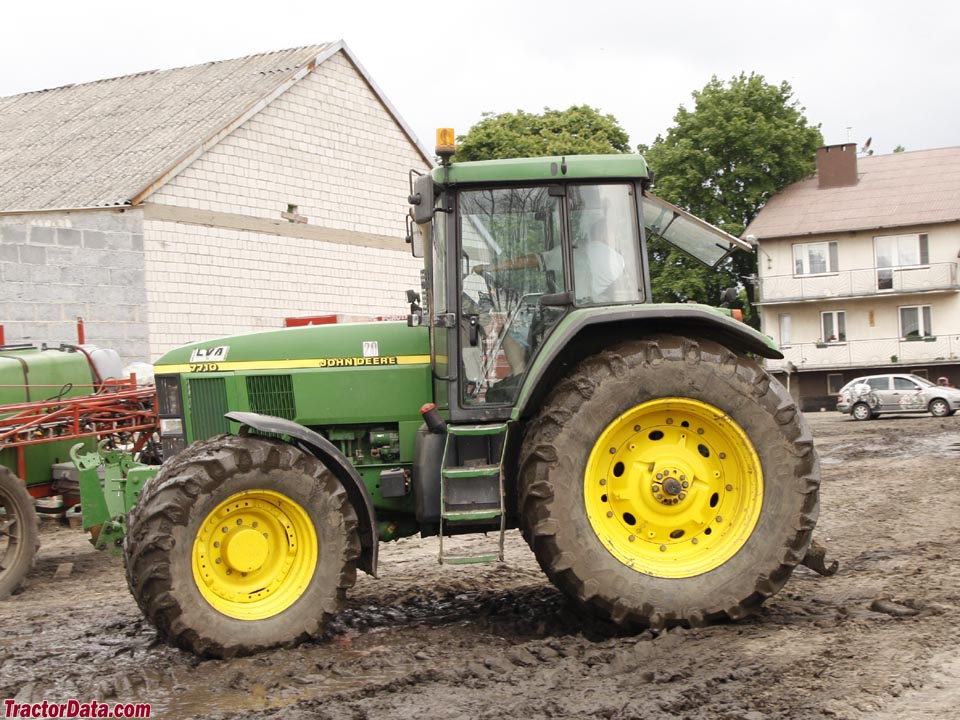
<point x="240" y="544"/>
<point x="18" y="532"/>
<point x="669" y="482"/>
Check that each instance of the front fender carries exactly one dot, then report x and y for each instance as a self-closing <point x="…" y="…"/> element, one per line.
<point x="314" y="443"/>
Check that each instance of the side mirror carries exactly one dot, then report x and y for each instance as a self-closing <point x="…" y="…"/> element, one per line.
<point x="422" y="198"/>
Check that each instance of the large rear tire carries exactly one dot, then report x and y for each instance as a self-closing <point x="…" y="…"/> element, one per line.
<point x="669" y="482"/>
<point x="241" y="544"/>
<point x="18" y="532"/>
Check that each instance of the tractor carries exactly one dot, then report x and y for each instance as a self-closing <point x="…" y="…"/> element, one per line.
<point x="657" y="471"/>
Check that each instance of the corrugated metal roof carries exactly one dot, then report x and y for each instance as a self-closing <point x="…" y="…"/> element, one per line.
<point x="101" y="143"/>
<point x="898" y="190"/>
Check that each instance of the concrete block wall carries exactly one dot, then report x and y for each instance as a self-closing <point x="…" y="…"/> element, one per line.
<point x="55" y="267"/>
<point x="326" y="145"/>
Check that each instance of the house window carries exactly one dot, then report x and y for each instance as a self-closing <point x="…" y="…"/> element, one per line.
<point x="920" y="372"/>
<point x="834" y="326"/>
<point x="814" y="258"/>
<point x="834" y="383"/>
<point x="915" y="321"/>
<point x="899" y="251"/>
<point x="785" y="329"/>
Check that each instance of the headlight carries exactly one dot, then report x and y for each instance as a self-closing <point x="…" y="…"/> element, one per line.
<point x="171" y="426"/>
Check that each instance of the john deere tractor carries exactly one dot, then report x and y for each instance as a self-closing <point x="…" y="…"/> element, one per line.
<point x="656" y="470"/>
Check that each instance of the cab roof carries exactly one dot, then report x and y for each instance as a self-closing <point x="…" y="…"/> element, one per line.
<point x="545" y="169"/>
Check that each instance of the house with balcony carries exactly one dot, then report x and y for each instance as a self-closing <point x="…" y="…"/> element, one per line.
<point x="857" y="270"/>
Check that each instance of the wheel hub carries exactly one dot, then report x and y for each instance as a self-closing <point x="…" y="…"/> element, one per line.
<point x="245" y="550"/>
<point x="254" y="554"/>
<point x="673" y="488"/>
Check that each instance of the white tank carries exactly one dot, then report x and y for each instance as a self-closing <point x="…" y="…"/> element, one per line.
<point x="107" y="362"/>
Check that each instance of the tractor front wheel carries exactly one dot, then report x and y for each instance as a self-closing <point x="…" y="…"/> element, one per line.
<point x="18" y="532"/>
<point x="240" y="544"/>
<point x="669" y="482"/>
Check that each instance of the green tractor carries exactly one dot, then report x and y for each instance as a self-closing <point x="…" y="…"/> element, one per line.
<point x="659" y="474"/>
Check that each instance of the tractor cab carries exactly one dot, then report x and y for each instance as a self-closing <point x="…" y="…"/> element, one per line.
<point x="513" y="247"/>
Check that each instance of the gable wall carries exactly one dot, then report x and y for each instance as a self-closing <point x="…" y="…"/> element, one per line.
<point x="222" y="260"/>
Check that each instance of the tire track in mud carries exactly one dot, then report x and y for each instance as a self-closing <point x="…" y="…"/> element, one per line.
<point x="878" y="640"/>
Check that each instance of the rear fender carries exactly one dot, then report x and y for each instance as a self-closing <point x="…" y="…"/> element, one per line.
<point x="586" y="332"/>
<point x="303" y="438"/>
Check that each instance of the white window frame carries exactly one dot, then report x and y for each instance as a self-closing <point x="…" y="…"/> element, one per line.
<point x="839" y="317"/>
<point x="785" y="324"/>
<point x="924" y="320"/>
<point x="918" y="243"/>
<point x="801" y="254"/>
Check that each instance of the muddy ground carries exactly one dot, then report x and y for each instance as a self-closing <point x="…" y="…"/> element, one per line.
<point x="881" y="639"/>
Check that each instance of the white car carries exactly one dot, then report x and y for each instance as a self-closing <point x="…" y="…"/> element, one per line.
<point x="869" y="396"/>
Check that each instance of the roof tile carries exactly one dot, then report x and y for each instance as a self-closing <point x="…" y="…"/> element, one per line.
<point x="100" y="143"/>
<point x="902" y="189"/>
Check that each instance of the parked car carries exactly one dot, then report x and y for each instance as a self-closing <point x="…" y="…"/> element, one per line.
<point x="869" y="396"/>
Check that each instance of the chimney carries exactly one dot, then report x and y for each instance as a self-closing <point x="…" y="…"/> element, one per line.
<point x="837" y="165"/>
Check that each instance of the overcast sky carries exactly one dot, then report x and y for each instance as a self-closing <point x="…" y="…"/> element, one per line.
<point x="881" y="69"/>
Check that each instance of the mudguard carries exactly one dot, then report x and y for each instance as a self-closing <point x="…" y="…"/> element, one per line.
<point x="314" y="443"/>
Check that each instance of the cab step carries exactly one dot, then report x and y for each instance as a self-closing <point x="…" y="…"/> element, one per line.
<point x="471" y="487"/>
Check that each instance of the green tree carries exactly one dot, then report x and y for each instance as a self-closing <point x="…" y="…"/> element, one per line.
<point x="578" y="130"/>
<point x="743" y="141"/>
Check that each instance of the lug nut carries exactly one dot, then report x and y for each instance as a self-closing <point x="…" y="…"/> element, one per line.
<point x="682" y="495"/>
<point x="602" y="482"/>
<point x="723" y="456"/>
<point x="694" y="541"/>
<point x="683" y="477"/>
<point x="728" y="488"/>
<point x="609" y="513"/>
<point x="686" y="484"/>
<point x="632" y="538"/>
<point x="659" y="496"/>
<point x="663" y="548"/>
<point x="659" y="476"/>
<point x="219" y="561"/>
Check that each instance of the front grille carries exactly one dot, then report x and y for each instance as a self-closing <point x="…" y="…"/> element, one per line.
<point x="208" y="404"/>
<point x="272" y="395"/>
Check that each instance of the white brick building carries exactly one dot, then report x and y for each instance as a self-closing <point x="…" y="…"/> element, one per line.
<point x="176" y="205"/>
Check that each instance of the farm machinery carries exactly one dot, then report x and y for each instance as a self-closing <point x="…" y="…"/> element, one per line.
<point x="58" y="405"/>
<point x="658" y="473"/>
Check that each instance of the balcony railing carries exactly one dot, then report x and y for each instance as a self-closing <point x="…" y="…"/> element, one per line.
<point x="858" y="283"/>
<point x="869" y="353"/>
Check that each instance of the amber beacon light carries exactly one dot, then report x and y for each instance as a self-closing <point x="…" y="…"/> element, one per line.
<point x="446" y="142"/>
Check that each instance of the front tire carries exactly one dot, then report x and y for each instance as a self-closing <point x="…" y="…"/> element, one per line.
<point x="669" y="482"/>
<point x="241" y="544"/>
<point x="18" y="532"/>
<point x="939" y="407"/>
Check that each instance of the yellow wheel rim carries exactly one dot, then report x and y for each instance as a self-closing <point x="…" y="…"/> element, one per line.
<point x="255" y="554"/>
<point x="673" y="488"/>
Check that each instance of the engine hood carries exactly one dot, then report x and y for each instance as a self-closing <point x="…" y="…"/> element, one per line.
<point x="312" y="346"/>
